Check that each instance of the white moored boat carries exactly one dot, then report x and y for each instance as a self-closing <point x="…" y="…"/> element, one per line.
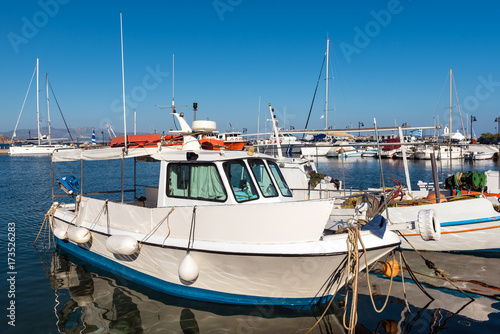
<point x="39" y="148"/>
<point x="221" y="226"/>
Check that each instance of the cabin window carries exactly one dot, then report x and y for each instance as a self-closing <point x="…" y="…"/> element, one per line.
<point x="263" y="178"/>
<point x="240" y="181"/>
<point x="195" y="181"/>
<point x="285" y="191"/>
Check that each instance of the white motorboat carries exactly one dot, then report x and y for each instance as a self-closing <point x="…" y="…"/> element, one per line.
<point x="319" y="149"/>
<point x="39" y="148"/>
<point x="286" y="144"/>
<point x="221" y="226"/>
<point x="369" y="152"/>
<point x="480" y="152"/>
<point x="441" y="152"/>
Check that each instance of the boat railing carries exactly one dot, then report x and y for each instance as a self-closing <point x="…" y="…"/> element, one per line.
<point x="356" y="193"/>
<point x="93" y="193"/>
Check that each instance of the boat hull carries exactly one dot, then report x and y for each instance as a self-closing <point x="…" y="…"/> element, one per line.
<point x="466" y="226"/>
<point x="261" y="276"/>
<point x="35" y="149"/>
<point x="234" y="145"/>
<point x="316" y="150"/>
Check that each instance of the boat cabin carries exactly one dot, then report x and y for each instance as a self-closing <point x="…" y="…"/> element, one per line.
<point x="205" y="178"/>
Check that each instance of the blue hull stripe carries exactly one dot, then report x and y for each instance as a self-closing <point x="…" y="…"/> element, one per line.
<point x="178" y="289"/>
<point x="471" y="221"/>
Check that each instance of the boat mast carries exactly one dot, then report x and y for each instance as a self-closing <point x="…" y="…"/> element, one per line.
<point x="276" y="133"/>
<point x="48" y="106"/>
<point x="326" y="100"/>
<point x="123" y="87"/>
<point x="258" y="123"/>
<point x="38" y="100"/>
<point x="451" y="80"/>
<point x="173" y="81"/>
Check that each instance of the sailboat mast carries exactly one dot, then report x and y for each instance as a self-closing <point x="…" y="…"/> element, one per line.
<point x="48" y="105"/>
<point x="38" y="99"/>
<point x="123" y="87"/>
<point x="275" y="130"/>
<point x="173" y="81"/>
<point x="326" y="100"/>
<point x="451" y="81"/>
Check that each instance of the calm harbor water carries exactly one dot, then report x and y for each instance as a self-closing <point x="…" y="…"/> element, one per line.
<point x="54" y="292"/>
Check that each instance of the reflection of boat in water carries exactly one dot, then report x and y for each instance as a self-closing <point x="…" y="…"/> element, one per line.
<point x="96" y="302"/>
<point x="479" y="280"/>
<point x="474" y="274"/>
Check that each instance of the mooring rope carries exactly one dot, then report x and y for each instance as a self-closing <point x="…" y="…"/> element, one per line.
<point x="153" y="230"/>
<point x="105" y="206"/>
<point x="46" y="220"/>
<point x="352" y="272"/>
<point x="192" y="229"/>
<point x="438" y="272"/>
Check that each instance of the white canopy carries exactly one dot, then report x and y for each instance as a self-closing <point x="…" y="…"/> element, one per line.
<point x="109" y="153"/>
<point x="483" y="148"/>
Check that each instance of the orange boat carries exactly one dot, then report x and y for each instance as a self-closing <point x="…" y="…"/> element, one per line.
<point x="152" y="140"/>
<point x="212" y="144"/>
<point x="232" y="141"/>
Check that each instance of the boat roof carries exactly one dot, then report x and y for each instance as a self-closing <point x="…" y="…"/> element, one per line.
<point x="160" y="153"/>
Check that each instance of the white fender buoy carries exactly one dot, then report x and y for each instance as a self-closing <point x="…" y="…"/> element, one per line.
<point x="83" y="300"/>
<point x="122" y="244"/>
<point x="60" y="233"/>
<point x="428" y="225"/>
<point x="188" y="269"/>
<point x="79" y="235"/>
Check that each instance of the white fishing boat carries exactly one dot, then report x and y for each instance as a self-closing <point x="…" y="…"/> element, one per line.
<point x="39" y="148"/>
<point x="458" y="225"/>
<point x="220" y="226"/>
<point x="470" y="225"/>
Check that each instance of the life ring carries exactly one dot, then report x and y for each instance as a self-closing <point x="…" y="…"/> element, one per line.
<point x="428" y="225"/>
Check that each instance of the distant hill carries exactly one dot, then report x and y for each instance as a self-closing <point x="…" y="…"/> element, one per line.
<point x="5" y="139"/>
<point x="80" y="134"/>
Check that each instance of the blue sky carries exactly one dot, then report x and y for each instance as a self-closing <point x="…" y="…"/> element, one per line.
<point x="389" y="60"/>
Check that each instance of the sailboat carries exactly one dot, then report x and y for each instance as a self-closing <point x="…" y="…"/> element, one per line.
<point x="442" y="150"/>
<point x="39" y="148"/>
<point x="321" y="148"/>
